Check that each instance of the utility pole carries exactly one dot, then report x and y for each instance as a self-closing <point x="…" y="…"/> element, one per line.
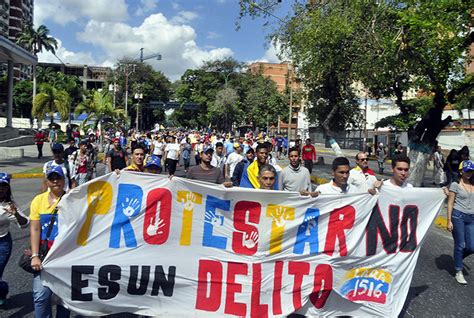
<point x="290" y="81"/>
<point x="128" y="69"/>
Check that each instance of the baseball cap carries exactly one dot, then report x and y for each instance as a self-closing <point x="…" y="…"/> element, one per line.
<point x="208" y="149"/>
<point x="467" y="165"/>
<point x="4" y="178"/>
<point x="153" y="161"/>
<point x="236" y="145"/>
<point x="55" y="169"/>
<point x="116" y="140"/>
<point x="58" y="147"/>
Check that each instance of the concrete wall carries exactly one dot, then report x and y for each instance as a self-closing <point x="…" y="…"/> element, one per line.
<point x="456" y="139"/>
<point x="18" y="142"/>
<point x="11" y="153"/>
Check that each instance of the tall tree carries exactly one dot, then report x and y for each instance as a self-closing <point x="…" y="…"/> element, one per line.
<point x="389" y="46"/>
<point x="50" y="100"/>
<point x="99" y="109"/>
<point x="36" y="41"/>
<point x="225" y="109"/>
<point x="22" y="98"/>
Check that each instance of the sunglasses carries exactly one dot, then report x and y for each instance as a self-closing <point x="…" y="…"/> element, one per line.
<point x="364" y="159"/>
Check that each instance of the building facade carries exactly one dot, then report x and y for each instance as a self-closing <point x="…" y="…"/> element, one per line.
<point x="92" y="77"/>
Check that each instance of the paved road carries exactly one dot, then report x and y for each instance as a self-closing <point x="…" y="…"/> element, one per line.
<point x="433" y="292"/>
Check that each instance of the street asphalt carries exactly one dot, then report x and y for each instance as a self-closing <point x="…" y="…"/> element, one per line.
<point x="433" y="292"/>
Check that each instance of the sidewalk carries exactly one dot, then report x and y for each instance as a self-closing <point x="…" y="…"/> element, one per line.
<point x="30" y="161"/>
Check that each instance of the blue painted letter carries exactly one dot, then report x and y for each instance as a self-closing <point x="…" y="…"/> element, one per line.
<point x="310" y="222"/>
<point x="211" y="218"/>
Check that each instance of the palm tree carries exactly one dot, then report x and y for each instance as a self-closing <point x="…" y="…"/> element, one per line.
<point x="35" y="41"/>
<point x="50" y="100"/>
<point x="99" y="108"/>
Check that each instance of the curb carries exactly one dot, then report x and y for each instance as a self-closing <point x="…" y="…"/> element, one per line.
<point x="27" y="175"/>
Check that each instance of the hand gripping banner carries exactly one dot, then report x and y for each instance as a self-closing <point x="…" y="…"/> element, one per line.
<point x="148" y="245"/>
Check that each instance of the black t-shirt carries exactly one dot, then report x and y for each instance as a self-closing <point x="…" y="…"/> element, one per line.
<point x="117" y="159"/>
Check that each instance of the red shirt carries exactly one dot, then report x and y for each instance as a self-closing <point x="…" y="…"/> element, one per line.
<point x="39" y="138"/>
<point x="308" y="152"/>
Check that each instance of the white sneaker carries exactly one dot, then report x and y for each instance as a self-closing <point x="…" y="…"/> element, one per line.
<point x="460" y="278"/>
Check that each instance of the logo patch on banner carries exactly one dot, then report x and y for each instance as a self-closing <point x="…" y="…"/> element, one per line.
<point x="367" y="284"/>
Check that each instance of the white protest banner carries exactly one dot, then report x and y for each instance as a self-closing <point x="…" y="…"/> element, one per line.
<point x="148" y="245"/>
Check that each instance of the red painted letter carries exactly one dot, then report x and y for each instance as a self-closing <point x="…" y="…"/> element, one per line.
<point x="298" y="269"/>
<point x="256" y="308"/>
<point x="340" y="220"/>
<point x="213" y="301"/>
<point x="277" y="288"/>
<point x="322" y="285"/>
<point x="245" y="241"/>
<point x="156" y="229"/>
<point x="231" y="306"/>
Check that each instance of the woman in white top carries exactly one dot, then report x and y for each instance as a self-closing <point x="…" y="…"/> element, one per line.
<point x="9" y="213"/>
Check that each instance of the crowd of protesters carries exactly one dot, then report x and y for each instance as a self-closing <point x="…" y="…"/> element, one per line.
<point x="248" y="161"/>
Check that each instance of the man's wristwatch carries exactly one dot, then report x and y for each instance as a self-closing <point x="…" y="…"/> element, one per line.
<point x="34" y="255"/>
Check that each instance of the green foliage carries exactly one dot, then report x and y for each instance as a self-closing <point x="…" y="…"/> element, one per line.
<point x="50" y="100"/>
<point x="416" y="109"/>
<point x="389" y="47"/>
<point x="154" y="85"/>
<point x="99" y="109"/>
<point x="22" y="98"/>
<point x="227" y="96"/>
<point x="37" y="40"/>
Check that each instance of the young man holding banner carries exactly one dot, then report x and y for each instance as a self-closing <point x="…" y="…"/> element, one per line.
<point x="339" y="184"/>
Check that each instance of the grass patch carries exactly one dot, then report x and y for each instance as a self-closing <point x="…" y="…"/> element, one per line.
<point x="33" y="170"/>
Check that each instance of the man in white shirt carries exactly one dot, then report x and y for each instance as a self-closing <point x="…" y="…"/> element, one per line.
<point x="400" y="169"/>
<point x="361" y="176"/>
<point x="233" y="159"/>
<point x="218" y="159"/>
<point x="339" y="184"/>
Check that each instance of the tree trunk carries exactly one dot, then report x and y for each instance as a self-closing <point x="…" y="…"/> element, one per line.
<point x="330" y="135"/>
<point x="423" y="139"/>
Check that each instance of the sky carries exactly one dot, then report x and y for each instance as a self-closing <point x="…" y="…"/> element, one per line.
<point x="185" y="32"/>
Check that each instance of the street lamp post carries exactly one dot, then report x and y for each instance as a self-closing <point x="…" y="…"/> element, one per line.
<point x="127" y="69"/>
<point x="138" y="97"/>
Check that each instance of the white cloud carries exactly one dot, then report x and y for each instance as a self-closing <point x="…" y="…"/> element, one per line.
<point x="145" y="6"/>
<point x="270" y="56"/>
<point x="176" y="43"/>
<point x="184" y="17"/>
<point x="211" y="35"/>
<point x="67" y="11"/>
<point x="66" y="56"/>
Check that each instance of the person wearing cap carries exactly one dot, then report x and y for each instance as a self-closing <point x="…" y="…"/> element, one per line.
<point x="42" y="209"/>
<point x="117" y="157"/>
<point x="9" y="213"/>
<point x="233" y="159"/>
<point x="308" y="154"/>
<point x="82" y="162"/>
<point x="138" y="157"/>
<point x="239" y="168"/>
<point x="68" y="169"/>
<point x="40" y="137"/>
<point x="207" y="172"/>
<point x="153" y="165"/>
<point x="461" y="218"/>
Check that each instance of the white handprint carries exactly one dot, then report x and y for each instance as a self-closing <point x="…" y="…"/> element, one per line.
<point x="154" y="228"/>
<point x="279" y="215"/>
<point x="131" y="208"/>
<point x="311" y="221"/>
<point x="251" y="240"/>
<point x="212" y="218"/>
<point x="189" y="201"/>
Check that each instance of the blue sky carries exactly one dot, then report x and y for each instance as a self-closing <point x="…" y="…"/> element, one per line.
<point x="185" y="32"/>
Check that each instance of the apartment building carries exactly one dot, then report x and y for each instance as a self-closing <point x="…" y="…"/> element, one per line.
<point x="92" y="77"/>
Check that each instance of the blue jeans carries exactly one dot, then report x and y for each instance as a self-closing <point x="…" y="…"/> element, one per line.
<point x="5" y="251"/>
<point x="42" y="301"/>
<point x="463" y="235"/>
